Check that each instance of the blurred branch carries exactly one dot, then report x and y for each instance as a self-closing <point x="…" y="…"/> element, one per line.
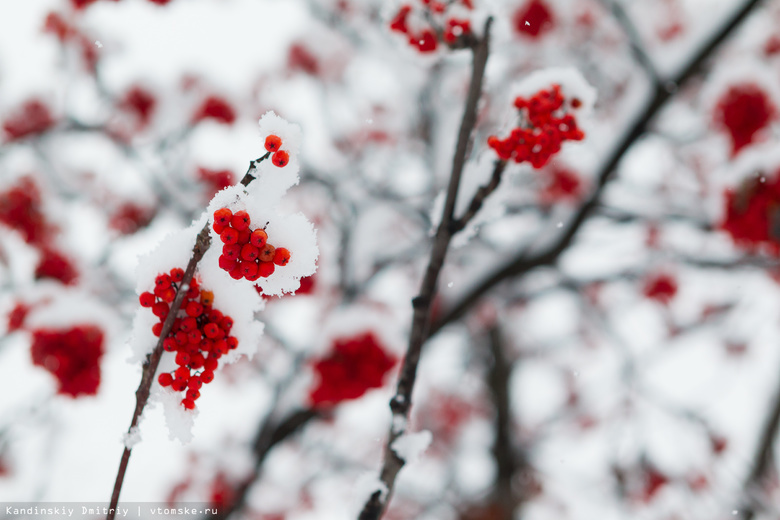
<point x="635" y="41"/>
<point x="479" y="197"/>
<point x="523" y="263"/>
<point x="504" y="453"/>
<point x="269" y="435"/>
<point x="400" y="404"/>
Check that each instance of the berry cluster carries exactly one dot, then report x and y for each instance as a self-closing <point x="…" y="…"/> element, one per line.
<point x="753" y="214"/>
<point x="744" y="111"/>
<point x="21" y="208"/>
<point x="544" y="126"/>
<point x="533" y="19"/>
<point x="246" y="253"/>
<point x="279" y="157"/>
<point x="355" y="365"/>
<point x="426" y="39"/>
<point x="72" y="356"/>
<point x="199" y="336"/>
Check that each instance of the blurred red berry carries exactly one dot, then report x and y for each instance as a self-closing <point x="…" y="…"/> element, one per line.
<point x="217" y="109"/>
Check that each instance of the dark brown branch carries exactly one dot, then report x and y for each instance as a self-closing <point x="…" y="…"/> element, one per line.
<point x="479" y="197"/>
<point x="503" y="451"/>
<point x="523" y="263"/>
<point x="202" y="244"/>
<point x="635" y="41"/>
<point x="269" y="435"/>
<point x="401" y="402"/>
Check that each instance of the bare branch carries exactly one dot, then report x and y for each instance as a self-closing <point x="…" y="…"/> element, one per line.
<point x="400" y="404"/>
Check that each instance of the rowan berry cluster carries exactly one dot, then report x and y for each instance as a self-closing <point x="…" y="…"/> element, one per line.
<point x="199" y="336"/>
<point x="72" y="355"/>
<point x="438" y="23"/>
<point x="246" y="252"/>
<point x="544" y="125"/>
<point x="753" y="214"/>
<point x="355" y="365"/>
<point x="744" y="111"/>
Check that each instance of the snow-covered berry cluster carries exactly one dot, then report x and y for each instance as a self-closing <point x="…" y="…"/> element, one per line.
<point x="546" y="122"/>
<point x="200" y="335"/>
<point x="246" y="252"/>
<point x="426" y="23"/>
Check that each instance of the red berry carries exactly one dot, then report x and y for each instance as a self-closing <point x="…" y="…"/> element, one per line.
<point x="197" y="360"/>
<point x="229" y="236"/>
<point x="188" y="325"/>
<point x="220" y="347"/>
<point x="267" y="253"/>
<point x="194" y="383"/>
<point x="231" y="251"/>
<point x="218" y="228"/>
<point x="211" y="330"/>
<point x="194" y="309"/>
<point x="211" y="364"/>
<point x="232" y="342"/>
<point x="258" y="238"/>
<point x="251" y="271"/>
<point x="227" y="263"/>
<point x="160" y="309"/>
<point x="194" y="336"/>
<point x="182" y="359"/>
<point x="237" y="273"/>
<point x="168" y="295"/>
<point x="193" y="394"/>
<point x="207" y="376"/>
<point x="157" y="329"/>
<point x="243" y="236"/>
<point x="188" y="403"/>
<point x="281" y="256"/>
<point x="179" y="384"/>
<point x="165" y="379"/>
<point x="206" y="345"/>
<point x="183" y="374"/>
<point x="146" y="299"/>
<point x="240" y="220"/>
<point x="266" y="269"/>
<point x="169" y="344"/>
<point x="226" y="323"/>
<point x="273" y="143"/>
<point x="249" y="252"/>
<point x="280" y="158"/>
<point x="177" y="274"/>
<point x="163" y="281"/>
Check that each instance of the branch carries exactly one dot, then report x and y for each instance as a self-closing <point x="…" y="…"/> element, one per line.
<point x="503" y="452"/>
<point x="202" y="244"/>
<point x="479" y="197"/>
<point x="401" y="402"/>
<point x="522" y="263"/>
<point x="635" y="42"/>
<point x="269" y="435"/>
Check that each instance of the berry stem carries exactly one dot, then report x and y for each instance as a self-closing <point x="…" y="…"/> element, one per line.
<point x="401" y="402"/>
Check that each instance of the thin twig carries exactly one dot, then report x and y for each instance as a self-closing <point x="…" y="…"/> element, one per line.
<point x="479" y="197"/>
<point x="635" y="41"/>
<point x="202" y="244"/>
<point x="523" y="263"/>
<point x="400" y="404"/>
